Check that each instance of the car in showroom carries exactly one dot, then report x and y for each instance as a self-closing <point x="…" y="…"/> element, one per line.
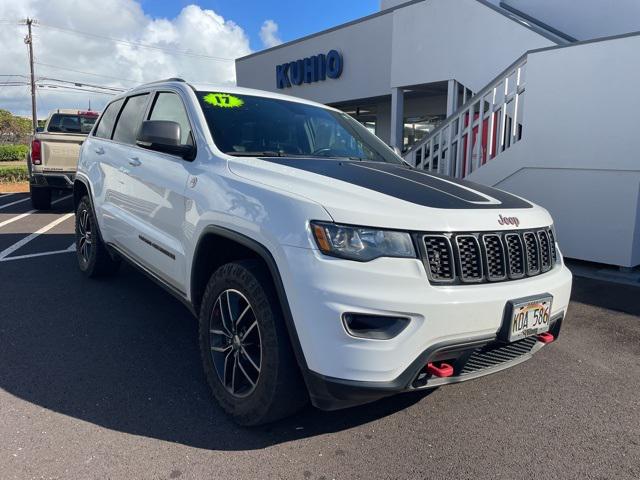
<point x="319" y="264"/>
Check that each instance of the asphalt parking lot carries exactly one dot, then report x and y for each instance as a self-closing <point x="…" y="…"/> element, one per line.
<point x="102" y="379"/>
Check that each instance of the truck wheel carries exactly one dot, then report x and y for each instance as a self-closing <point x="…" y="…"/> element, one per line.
<point x="94" y="259"/>
<point x="41" y="198"/>
<point x="245" y="348"/>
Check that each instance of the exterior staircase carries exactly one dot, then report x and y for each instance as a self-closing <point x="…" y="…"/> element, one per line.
<point x="558" y="127"/>
<point x="485" y="126"/>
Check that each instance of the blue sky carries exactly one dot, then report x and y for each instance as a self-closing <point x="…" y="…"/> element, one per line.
<point x="150" y="36"/>
<point x="295" y="18"/>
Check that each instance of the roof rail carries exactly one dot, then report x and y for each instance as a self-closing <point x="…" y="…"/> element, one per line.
<point x="172" y="79"/>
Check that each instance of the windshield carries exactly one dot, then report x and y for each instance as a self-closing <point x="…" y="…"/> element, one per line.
<point x="246" y="125"/>
<point x="71" y="123"/>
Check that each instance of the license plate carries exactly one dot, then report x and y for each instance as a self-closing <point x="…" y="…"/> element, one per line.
<point x="527" y="317"/>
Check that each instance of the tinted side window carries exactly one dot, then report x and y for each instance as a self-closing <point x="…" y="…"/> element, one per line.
<point x="169" y="106"/>
<point x="130" y="119"/>
<point x="105" y="127"/>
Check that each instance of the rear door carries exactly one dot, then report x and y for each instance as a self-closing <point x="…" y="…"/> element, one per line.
<point x="99" y="162"/>
<point x="125" y="204"/>
<point x="158" y="182"/>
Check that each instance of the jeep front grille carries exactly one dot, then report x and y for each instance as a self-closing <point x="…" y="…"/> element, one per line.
<point x="439" y="257"/>
<point x="494" y="257"/>
<point x="532" y="252"/>
<point x="545" y="250"/>
<point x="469" y="258"/>
<point x="515" y="254"/>
<point x="552" y="240"/>
<point x="462" y="258"/>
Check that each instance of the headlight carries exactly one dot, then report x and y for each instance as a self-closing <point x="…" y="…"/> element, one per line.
<point x="361" y="243"/>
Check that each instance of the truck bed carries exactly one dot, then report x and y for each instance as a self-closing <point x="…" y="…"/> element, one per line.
<point x="60" y="151"/>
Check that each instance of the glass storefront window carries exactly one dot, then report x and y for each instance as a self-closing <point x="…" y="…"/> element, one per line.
<point x="415" y="129"/>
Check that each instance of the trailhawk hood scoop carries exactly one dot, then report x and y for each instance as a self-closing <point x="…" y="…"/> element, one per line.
<point x="408" y="184"/>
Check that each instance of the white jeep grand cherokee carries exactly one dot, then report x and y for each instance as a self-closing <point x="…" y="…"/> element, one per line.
<point x="319" y="264"/>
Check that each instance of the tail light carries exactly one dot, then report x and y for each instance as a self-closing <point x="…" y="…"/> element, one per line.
<point x="36" y="152"/>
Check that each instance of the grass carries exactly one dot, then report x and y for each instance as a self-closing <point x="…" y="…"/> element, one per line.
<point x="11" y="153"/>
<point x="13" y="173"/>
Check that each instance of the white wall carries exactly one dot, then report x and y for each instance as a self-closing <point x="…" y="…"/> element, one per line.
<point x="460" y="39"/>
<point x="366" y="50"/>
<point x="578" y="156"/>
<point x="431" y="41"/>
<point x="584" y="19"/>
<point x="384" y="4"/>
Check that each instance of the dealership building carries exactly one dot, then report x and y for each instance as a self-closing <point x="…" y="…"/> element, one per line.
<point x="537" y="97"/>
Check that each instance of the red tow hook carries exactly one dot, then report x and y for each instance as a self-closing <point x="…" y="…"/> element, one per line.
<point x="440" y="369"/>
<point x="546" y="337"/>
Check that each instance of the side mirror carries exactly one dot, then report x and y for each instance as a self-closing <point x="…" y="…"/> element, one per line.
<point x="164" y="136"/>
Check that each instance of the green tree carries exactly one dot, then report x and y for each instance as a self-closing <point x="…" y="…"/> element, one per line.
<point x="14" y="129"/>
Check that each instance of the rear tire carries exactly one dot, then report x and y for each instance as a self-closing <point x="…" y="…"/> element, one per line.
<point x="240" y="309"/>
<point x="94" y="259"/>
<point x="40" y="197"/>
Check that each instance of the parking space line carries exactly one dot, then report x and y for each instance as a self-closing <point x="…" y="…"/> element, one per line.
<point x="26" y="214"/>
<point x="8" y="251"/>
<point x="5" y="195"/>
<point x="14" y="203"/>
<point x="72" y="248"/>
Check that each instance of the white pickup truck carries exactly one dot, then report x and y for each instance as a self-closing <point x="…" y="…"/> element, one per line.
<point x="53" y="157"/>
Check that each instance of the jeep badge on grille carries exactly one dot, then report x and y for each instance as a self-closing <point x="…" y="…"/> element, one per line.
<point x="508" y="220"/>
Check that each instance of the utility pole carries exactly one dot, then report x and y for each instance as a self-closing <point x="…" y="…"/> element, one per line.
<point x="29" y="41"/>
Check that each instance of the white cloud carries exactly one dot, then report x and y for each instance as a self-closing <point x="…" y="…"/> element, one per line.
<point x="195" y="30"/>
<point x="269" y="34"/>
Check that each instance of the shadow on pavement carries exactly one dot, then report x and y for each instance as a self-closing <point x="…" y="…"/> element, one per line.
<point x="609" y="295"/>
<point x="121" y="353"/>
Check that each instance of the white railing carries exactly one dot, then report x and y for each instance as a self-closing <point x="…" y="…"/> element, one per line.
<point x="496" y="114"/>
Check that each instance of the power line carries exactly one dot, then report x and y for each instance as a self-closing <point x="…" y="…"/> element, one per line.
<point x="86" y="73"/>
<point x="51" y="86"/>
<point x="82" y="84"/>
<point x="44" y="87"/>
<point x="141" y="45"/>
<point x="72" y="82"/>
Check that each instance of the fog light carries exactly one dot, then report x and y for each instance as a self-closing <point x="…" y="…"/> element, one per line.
<point x="378" y="327"/>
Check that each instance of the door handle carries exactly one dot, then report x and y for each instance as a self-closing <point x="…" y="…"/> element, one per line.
<point x="134" y="161"/>
<point x="100" y="151"/>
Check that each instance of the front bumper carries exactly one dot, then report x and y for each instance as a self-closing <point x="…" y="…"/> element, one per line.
<point x="345" y="370"/>
<point x="473" y="359"/>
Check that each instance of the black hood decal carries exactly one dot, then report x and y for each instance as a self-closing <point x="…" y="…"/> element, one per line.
<point x="406" y="183"/>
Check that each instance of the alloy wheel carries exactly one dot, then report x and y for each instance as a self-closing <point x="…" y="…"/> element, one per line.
<point x="236" y="344"/>
<point x="85" y="237"/>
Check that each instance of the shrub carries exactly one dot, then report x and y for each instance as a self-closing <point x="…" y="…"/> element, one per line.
<point x="12" y="153"/>
<point x="10" y="174"/>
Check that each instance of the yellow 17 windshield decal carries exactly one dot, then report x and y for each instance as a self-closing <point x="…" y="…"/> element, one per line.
<point x="223" y="100"/>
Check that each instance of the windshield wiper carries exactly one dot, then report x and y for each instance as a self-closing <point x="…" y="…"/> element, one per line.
<point x="266" y="153"/>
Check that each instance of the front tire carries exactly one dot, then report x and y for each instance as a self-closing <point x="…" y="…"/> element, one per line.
<point x="40" y="197"/>
<point x="94" y="259"/>
<point x="245" y="348"/>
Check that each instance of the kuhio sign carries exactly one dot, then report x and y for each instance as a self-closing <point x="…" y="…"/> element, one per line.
<point x="308" y="70"/>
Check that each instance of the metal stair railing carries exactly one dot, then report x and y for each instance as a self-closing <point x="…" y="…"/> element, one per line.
<point x="494" y="116"/>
